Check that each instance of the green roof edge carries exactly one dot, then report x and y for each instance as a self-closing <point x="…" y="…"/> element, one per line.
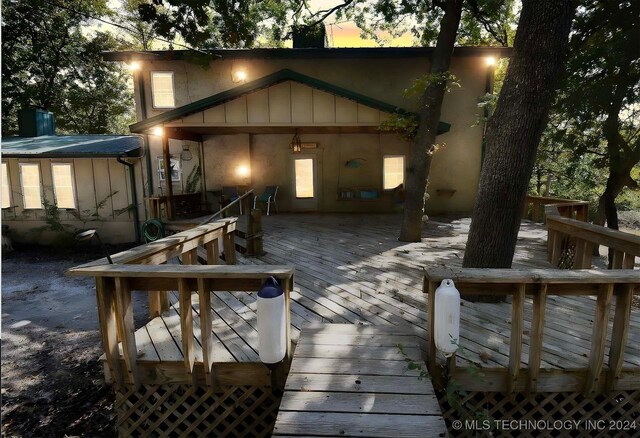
<point x="266" y="81"/>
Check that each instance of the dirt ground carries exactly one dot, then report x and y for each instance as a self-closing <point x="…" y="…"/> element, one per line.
<point x="52" y="382"/>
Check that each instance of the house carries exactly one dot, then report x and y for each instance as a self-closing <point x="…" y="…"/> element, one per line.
<point x="306" y="120"/>
<point x="69" y="183"/>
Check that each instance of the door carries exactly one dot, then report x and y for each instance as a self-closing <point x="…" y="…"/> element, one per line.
<point x="305" y="190"/>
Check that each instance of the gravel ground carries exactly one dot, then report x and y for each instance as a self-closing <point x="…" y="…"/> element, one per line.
<point x="52" y="382"/>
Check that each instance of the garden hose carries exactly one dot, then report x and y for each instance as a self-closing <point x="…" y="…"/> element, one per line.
<point x="152" y="230"/>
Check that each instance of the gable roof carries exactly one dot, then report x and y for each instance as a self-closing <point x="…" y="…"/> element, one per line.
<point x="267" y="81"/>
<point x="72" y="146"/>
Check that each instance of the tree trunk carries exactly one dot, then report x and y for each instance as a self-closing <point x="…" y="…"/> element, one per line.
<point x="424" y="144"/>
<point x="514" y="131"/>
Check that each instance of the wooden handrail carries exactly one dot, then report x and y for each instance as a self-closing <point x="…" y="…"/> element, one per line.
<point x="565" y="234"/>
<point x="534" y="208"/>
<point x="540" y="284"/>
<point x="226" y="207"/>
<point x="116" y="283"/>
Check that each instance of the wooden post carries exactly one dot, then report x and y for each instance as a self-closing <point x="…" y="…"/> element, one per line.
<point x="186" y="327"/>
<point x="124" y="310"/>
<point x="536" y="337"/>
<point x="213" y="258"/>
<point x="249" y="235"/>
<point x="517" y="328"/>
<point x="107" y="316"/>
<point x="600" y="324"/>
<point x="229" y="244"/>
<point x="257" y="232"/>
<point x="167" y="175"/>
<point x="619" y="335"/>
<point x="578" y="258"/>
<point x="557" y="248"/>
<point x="429" y="287"/>
<point x="206" y="319"/>
<point x="155" y="306"/>
<point x="618" y="259"/>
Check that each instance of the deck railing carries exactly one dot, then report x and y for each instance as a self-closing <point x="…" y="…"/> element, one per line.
<point x="534" y="208"/>
<point x="114" y="287"/>
<point x="540" y="284"/>
<point x="571" y="243"/>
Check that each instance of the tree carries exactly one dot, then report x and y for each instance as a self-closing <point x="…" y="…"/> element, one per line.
<point x="48" y="62"/>
<point x="514" y="131"/>
<point x="596" y="117"/>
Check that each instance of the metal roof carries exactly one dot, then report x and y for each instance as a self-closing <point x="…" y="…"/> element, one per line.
<point x="267" y="81"/>
<point x="72" y="146"/>
<point x="306" y="53"/>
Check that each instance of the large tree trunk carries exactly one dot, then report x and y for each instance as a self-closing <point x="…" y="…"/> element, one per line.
<point x="424" y="144"/>
<point x="514" y="131"/>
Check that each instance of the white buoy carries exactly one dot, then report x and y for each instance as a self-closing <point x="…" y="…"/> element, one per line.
<point x="272" y="335"/>
<point x="447" y="317"/>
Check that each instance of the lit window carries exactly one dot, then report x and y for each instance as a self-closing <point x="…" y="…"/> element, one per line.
<point x="175" y="169"/>
<point x="6" y="187"/>
<point x="304" y="177"/>
<point x="393" y="171"/>
<point x="63" y="185"/>
<point x="30" y="180"/>
<point x="162" y="89"/>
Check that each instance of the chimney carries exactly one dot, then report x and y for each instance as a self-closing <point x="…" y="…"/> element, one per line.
<point x="305" y="37"/>
<point x="35" y="122"/>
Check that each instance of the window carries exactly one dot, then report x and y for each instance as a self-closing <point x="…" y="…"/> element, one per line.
<point x="30" y="180"/>
<point x="6" y="187"/>
<point x="304" y="177"/>
<point x="175" y="169"/>
<point x="162" y="89"/>
<point x="393" y="171"/>
<point x="62" y="174"/>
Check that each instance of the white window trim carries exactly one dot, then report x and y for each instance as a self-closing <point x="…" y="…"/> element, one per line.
<point x="404" y="170"/>
<point x="161" y="178"/>
<point x="73" y="185"/>
<point x="8" y="176"/>
<point x="173" y="89"/>
<point x="24" y="207"/>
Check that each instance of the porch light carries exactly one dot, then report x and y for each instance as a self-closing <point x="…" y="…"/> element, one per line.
<point x="491" y="61"/>
<point x="158" y="131"/>
<point x="134" y="66"/>
<point x="447" y="317"/>
<point x="296" y="143"/>
<point x="243" y="171"/>
<point x="239" y="76"/>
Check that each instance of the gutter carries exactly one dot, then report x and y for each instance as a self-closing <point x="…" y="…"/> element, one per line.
<point x="134" y="196"/>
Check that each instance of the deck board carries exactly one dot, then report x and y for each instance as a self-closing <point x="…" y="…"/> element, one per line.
<point x="380" y="397"/>
<point x="352" y="269"/>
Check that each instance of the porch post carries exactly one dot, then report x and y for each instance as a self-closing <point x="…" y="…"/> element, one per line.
<point x="167" y="175"/>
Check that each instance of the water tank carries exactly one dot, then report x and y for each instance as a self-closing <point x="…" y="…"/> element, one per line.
<point x="35" y="122"/>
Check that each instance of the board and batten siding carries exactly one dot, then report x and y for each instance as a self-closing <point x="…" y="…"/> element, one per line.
<point x="102" y="194"/>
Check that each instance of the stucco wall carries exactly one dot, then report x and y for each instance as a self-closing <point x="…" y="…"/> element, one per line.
<point x="103" y="195"/>
<point x="456" y="166"/>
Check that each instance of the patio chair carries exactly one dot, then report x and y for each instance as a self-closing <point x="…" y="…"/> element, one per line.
<point x="268" y="197"/>
<point x="231" y="194"/>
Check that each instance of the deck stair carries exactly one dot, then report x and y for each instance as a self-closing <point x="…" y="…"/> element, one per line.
<point x="354" y="380"/>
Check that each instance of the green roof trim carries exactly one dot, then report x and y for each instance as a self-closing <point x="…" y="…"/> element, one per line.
<point x="267" y="81"/>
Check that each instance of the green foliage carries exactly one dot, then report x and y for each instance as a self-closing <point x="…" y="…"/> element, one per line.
<point x="193" y="179"/>
<point x="49" y="62"/>
<point x="404" y="125"/>
<point x="411" y="364"/>
<point x="594" y="129"/>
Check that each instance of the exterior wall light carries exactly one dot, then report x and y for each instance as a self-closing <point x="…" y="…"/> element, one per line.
<point x="491" y="61"/>
<point x="158" y="131"/>
<point x="239" y="76"/>
<point x="447" y="318"/>
<point x="243" y="171"/>
<point x="134" y="66"/>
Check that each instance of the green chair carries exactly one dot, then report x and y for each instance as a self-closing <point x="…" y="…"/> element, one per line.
<point x="268" y="197"/>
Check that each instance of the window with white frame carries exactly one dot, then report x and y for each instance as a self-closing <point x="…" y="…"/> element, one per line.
<point x="62" y="174"/>
<point x="174" y="164"/>
<point x="162" y="89"/>
<point x="392" y="171"/>
<point x="6" y="187"/>
<point x="31" y="188"/>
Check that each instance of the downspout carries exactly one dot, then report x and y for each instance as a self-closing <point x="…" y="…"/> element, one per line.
<point x="134" y="195"/>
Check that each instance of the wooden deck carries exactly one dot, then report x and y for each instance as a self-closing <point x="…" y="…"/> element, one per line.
<point x="350" y="269"/>
<point x="353" y="380"/>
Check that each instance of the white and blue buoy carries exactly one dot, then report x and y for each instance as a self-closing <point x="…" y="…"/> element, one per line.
<point x="272" y="335"/>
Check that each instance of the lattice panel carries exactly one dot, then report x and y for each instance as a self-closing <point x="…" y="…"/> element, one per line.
<point x="175" y="410"/>
<point x="623" y="408"/>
